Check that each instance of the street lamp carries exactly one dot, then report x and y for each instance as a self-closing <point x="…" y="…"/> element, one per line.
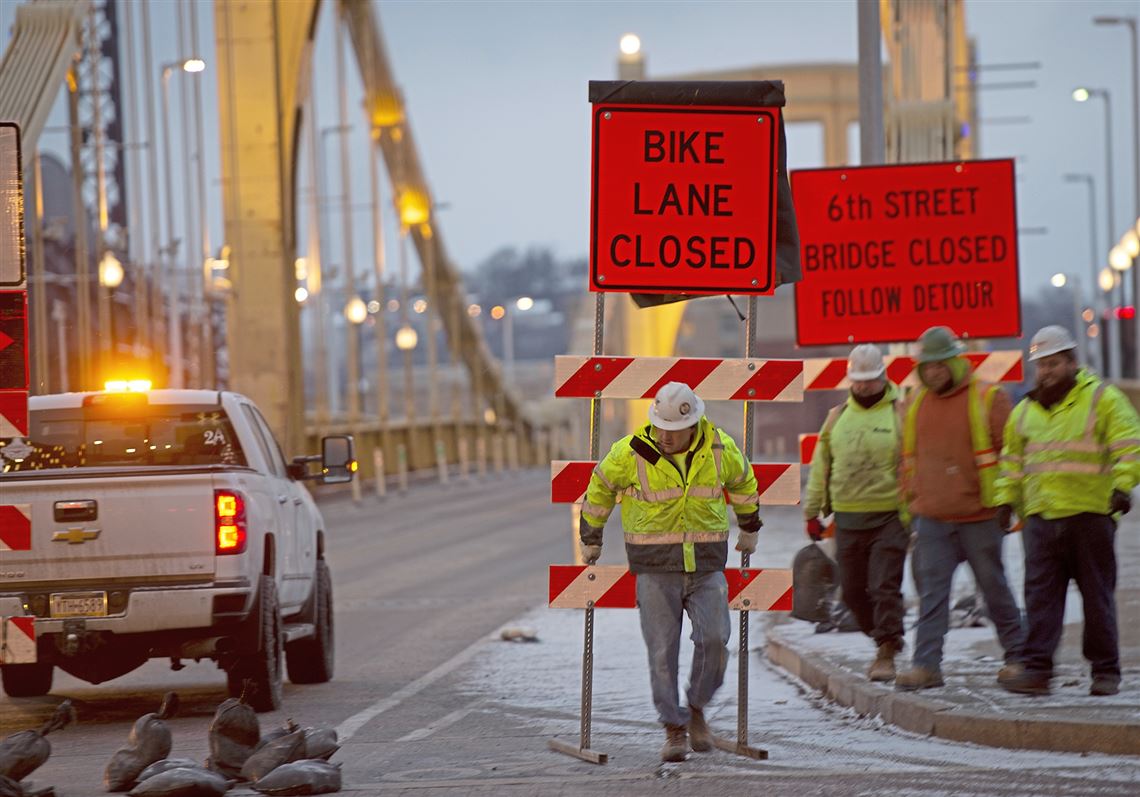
<point x="1082" y="94"/>
<point x="110" y="271"/>
<point x="1130" y="23"/>
<point x="631" y="61"/>
<point x="356" y="311"/>
<point x="174" y="327"/>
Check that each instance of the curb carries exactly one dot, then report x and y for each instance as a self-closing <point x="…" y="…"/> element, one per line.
<point x="932" y="717"/>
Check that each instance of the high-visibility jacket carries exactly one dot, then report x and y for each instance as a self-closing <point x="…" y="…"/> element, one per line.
<point x="1068" y="459"/>
<point x="855" y="464"/>
<point x="672" y="522"/>
<point x="979" y="403"/>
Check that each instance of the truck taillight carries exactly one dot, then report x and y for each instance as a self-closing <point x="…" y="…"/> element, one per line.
<point x="229" y="522"/>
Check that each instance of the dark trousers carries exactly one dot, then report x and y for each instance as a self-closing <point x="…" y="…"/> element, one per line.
<point x="870" y="574"/>
<point x="1079" y="547"/>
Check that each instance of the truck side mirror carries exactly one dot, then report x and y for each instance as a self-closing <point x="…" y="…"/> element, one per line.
<point x="338" y="462"/>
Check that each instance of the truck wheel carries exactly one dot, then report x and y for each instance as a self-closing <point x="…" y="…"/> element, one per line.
<point x="312" y="660"/>
<point x="27" y="680"/>
<point x="262" y="665"/>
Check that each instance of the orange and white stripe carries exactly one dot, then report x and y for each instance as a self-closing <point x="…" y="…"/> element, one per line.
<point x="830" y="373"/>
<point x="17" y="640"/>
<point x="711" y="378"/>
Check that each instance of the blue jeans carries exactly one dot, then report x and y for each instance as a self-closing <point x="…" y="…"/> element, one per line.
<point x="661" y="597"/>
<point x="941" y="546"/>
<point x="1079" y="547"/>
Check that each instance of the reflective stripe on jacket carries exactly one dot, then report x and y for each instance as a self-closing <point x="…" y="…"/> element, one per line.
<point x="1068" y="459"/>
<point x="985" y="456"/>
<point x="855" y="464"/>
<point x="672" y="523"/>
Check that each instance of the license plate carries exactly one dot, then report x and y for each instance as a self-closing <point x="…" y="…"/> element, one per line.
<point x="79" y="604"/>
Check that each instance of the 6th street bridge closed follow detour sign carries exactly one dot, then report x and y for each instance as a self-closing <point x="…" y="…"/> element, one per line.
<point x="683" y="199"/>
<point x="889" y="251"/>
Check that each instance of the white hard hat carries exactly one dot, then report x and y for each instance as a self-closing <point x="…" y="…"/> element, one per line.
<point x="675" y="407"/>
<point x="865" y="362"/>
<point x="1052" y="339"/>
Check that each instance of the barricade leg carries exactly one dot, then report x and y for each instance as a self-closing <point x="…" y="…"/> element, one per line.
<point x="402" y="468"/>
<point x="464" y="460"/>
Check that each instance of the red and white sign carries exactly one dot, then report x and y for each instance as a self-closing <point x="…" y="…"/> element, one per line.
<point x="15" y="527"/>
<point x="614" y="587"/>
<point x="808" y="442"/>
<point x="13" y="413"/>
<point x="17" y="640"/>
<point x="683" y="199"/>
<point x="712" y="378"/>
<point x="888" y="251"/>
<point x="830" y="373"/>
<point x="759" y="590"/>
<point x="778" y="483"/>
<point x="13" y="340"/>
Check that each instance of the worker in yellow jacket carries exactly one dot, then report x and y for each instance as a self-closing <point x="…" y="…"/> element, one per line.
<point x="1070" y="461"/>
<point x="854" y="471"/>
<point x="673" y="476"/>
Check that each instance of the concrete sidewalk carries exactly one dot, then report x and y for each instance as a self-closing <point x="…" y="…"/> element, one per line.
<point x="971" y="707"/>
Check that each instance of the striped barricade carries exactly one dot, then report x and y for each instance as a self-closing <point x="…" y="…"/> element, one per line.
<point x="830" y="373"/>
<point x="778" y="483"/>
<point x="17" y="640"/>
<point x="712" y="378"/>
<point x="614" y="587"/>
<point x="15" y="527"/>
<point x="808" y="443"/>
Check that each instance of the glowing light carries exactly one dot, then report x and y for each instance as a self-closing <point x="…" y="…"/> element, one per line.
<point x="1088" y="315"/>
<point x="498" y="311"/>
<point x="419" y="305"/>
<point x="524" y="303"/>
<point x="193" y="65"/>
<point x="413" y="207"/>
<point x="630" y="44"/>
<point x="301" y="294"/>
<point x="373" y="307"/>
<point x="1131" y="243"/>
<point x="1081" y="94"/>
<point x="474" y="310"/>
<point x="110" y="271"/>
<point x="126" y="386"/>
<point x="1094" y="330"/>
<point x="1058" y="280"/>
<point x="1107" y="279"/>
<point x="1118" y="258"/>
<point x="406" y="338"/>
<point x="301" y="268"/>
<point x="355" y="310"/>
<point x="489" y="415"/>
<point x="393" y="305"/>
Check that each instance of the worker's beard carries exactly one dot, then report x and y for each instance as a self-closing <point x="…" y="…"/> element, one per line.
<point x="1048" y="395"/>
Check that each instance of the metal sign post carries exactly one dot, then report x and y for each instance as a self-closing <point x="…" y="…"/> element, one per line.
<point x="582" y="750"/>
<point x="740" y="746"/>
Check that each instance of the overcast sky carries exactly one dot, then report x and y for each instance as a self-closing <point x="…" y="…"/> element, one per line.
<point x="496" y="93"/>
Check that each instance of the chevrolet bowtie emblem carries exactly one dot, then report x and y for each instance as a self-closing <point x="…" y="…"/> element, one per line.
<point x="76" y="536"/>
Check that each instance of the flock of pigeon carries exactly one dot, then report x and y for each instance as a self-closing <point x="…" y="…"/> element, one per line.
<point x="286" y="760"/>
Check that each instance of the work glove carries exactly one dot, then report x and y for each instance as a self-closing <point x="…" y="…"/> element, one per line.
<point x="746" y="542"/>
<point x="1005" y="517"/>
<point x="590" y="553"/>
<point x="815" y="529"/>
<point x="1121" y="502"/>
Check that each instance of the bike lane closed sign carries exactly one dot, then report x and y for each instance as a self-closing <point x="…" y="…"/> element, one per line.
<point x="888" y="251"/>
<point x="683" y="199"/>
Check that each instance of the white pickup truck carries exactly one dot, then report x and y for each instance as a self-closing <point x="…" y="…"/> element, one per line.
<point x="167" y="524"/>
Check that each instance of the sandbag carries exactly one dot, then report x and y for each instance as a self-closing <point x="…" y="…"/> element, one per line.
<point x="166" y="764"/>
<point x="301" y="777"/>
<point x="149" y="741"/>
<point x="22" y="753"/>
<point x="320" y="743"/>
<point x="277" y="733"/>
<point x="278" y="752"/>
<point x="182" y="782"/>
<point x="813" y="579"/>
<point x="234" y="734"/>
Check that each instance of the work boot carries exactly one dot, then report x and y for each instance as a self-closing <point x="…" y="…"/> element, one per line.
<point x="1102" y="686"/>
<point x="918" y="678"/>
<point x="883" y="667"/>
<point x="676" y="743"/>
<point x="1011" y="671"/>
<point x="1027" y="683"/>
<point x="700" y="737"/>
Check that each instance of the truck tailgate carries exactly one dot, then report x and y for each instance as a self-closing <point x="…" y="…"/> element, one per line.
<point x="142" y="528"/>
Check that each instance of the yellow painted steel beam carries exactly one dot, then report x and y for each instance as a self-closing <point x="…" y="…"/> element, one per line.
<point x="264" y="50"/>
<point x="393" y="134"/>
